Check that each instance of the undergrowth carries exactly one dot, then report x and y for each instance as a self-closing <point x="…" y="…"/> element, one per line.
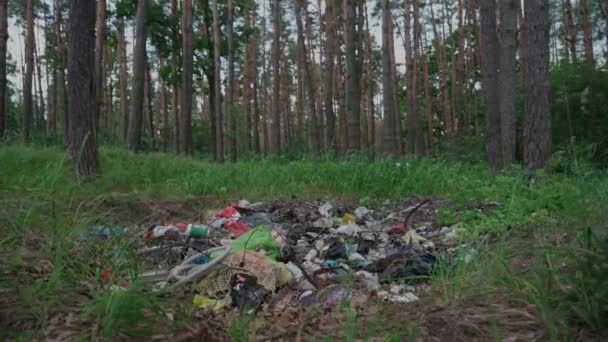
<point x="554" y="220"/>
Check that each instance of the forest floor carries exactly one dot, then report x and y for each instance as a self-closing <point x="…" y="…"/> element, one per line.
<point x="532" y="263"/>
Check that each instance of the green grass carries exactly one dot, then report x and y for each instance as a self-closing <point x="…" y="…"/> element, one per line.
<point x="556" y="219"/>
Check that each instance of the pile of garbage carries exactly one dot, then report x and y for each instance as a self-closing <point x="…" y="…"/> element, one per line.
<point x="296" y="254"/>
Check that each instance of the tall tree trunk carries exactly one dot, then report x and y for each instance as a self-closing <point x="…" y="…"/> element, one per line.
<point x="415" y="143"/>
<point x="175" y="93"/>
<point x="187" y="88"/>
<point x="100" y="29"/>
<point x="569" y="28"/>
<point x="149" y="91"/>
<point x="300" y="94"/>
<point x="285" y="105"/>
<point x="489" y="80"/>
<point x="370" y="80"/>
<point x="250" y="64"/>
<point x="353" y="105"/>
<point x="587" y="34"/>
<point x="139" y="69"/>
<point x="537" y="117"/>
<point x="315" y="136"/>
<point x="61" y="100"/>
<point x="276" y="55"/>
<point x="427" y="96"/>
<point x="459" y="81"/>
<point x="219" y="132"/>
<point x="256" y="107"/>
<point x="123" y="77"/>
<point x="443" y="75"/>
<point x="42" y="109"/>
<point x="29" y="71"/>
<point x="81" y="60"/>
<point x="163" y="104"/>
<point x="507" y="78"/>
<point x="330" y="43"/>
<point x="390" y="142"/>
<point x="604" y="8"/>
<point x="231" y="84"/>
<point x="3" y="50"/>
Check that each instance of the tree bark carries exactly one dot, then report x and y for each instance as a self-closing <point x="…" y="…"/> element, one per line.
<point x="507" y="78"/>
<point x="61" y="100"/>
<point x="41" y="107"/>
<point x="230" y="89"/>
<point x="250" y="64"/>
<point x="537" y="116"/>
<point x="330" y="44"/>
<point x="587" y="34"/>
<point x="352" y="91"/>
<point x="123" y="77"/>
<point x="163" y="104"/>
<point x="139" y="69"/>
<point x="370" y="80"/>
<point x="415" y="144"/>
<point x="390" y="142"/>
<point x="82" y="146"/>
<point x="570" y="30"/>
<point x="3" y="50"/>
<point x="489" y="80"/>
<point x="219" y="132"/>
<point x="275" y="141"/>
<point x="187" y="88"/>
<point x="443" y="76"/>
<point x="100" y="29"/>
<point x="314" y="128"/>
<point x="29" y="71"/>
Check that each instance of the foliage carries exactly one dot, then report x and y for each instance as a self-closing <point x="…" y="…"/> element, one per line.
<point x="580" y="111"/>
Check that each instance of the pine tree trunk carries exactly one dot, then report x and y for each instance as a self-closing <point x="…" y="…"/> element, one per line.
<point x="604" y="8"/>
<point x="489" y="81"/>
<point x="330" y="44"/>
<point x="164" y="112"/>
<point x="314" y="128"/>
<point x="219" y="131"/>
<point x="415" y="143"/>
<point x="370" y="80"/>
<point x="61" y="100"/>
<point x="587" y="34"/>
<point x="507" y="78"/>
<point x="299" y="96"/>
<point x="443" y="75"/>
<point x="230" y="89"/>
<point x="390" y="141"/>
<point x="29" y="71"/>
<point x="139" y="69"/>
<point x="250" y="64"/>
<point x="149" y="91"/>
<point x="82" y="146"/>
<point x="276" y="81"/>
<point x="537" y="116"/>
<point x="175" y="93"/>
<point x="570" y="30"/>
<point x="3" y="50"/>
<point x="459" y="81"/>
<point x="42" y="108"/>
<point x="353" y="105"/>
<point x="99" y="47"/>
<point x="123" y="77"/>
<point x="187" y="88"/>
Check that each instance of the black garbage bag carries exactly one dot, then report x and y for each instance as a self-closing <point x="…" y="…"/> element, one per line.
<point x="410" y="267"/>
<point x="336" y="251"/>
<point x="247" y="295"/>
